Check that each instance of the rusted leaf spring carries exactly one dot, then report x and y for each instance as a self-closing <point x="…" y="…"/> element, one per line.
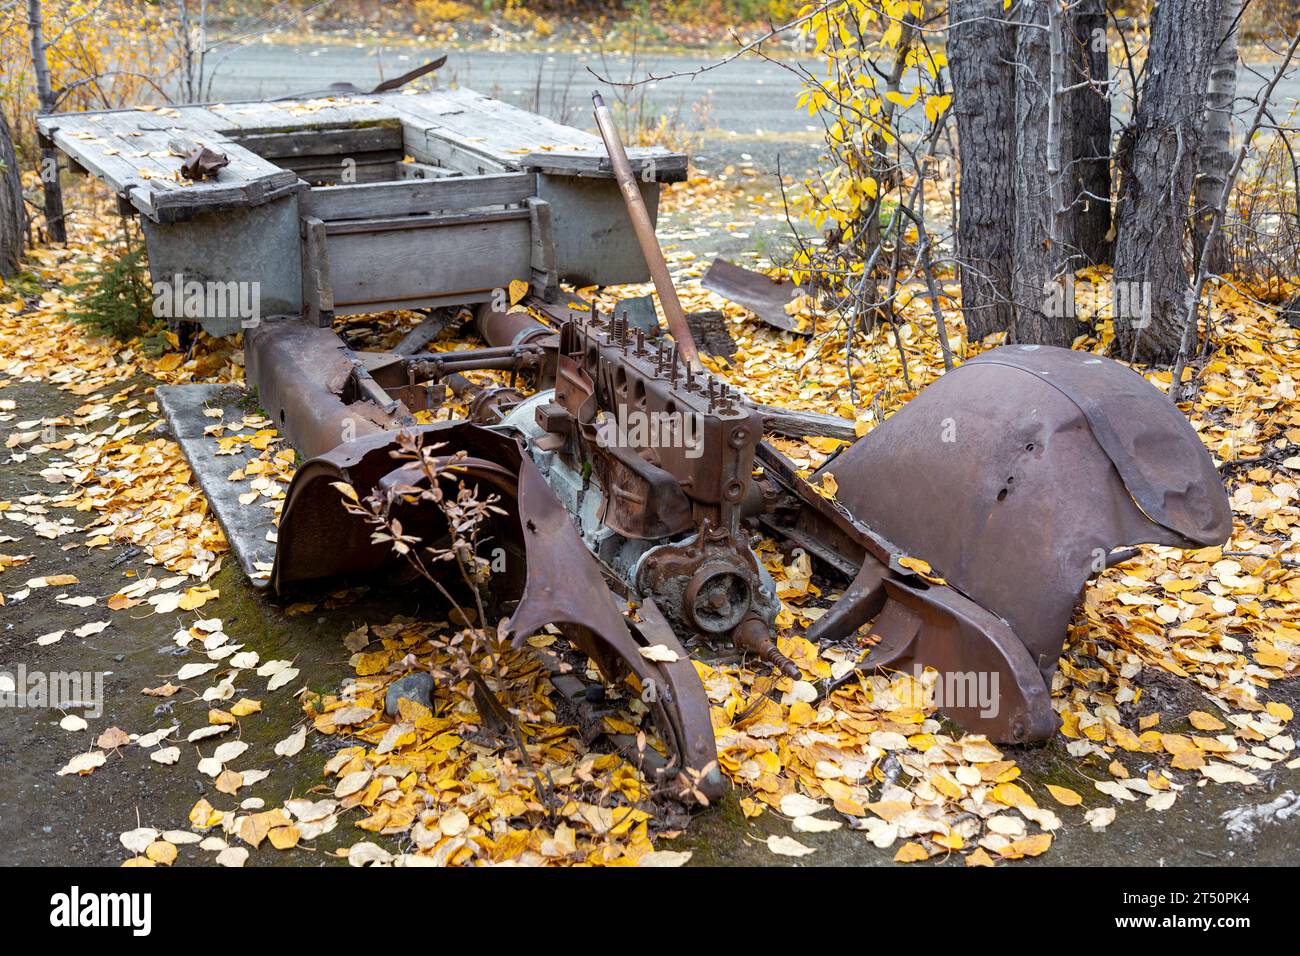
<point x="550" y="577"/>
<point x="1016" y="476"/>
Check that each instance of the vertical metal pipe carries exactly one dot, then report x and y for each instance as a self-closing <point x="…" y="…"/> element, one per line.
<point x="645" y="232"/>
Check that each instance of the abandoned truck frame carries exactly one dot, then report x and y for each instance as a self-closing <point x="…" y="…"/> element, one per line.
<point x="1018" y="476"/>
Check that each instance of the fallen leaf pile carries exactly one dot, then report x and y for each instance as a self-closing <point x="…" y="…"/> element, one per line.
<point x="461" y="793"/>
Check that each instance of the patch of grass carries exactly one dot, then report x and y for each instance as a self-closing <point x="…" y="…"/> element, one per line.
<point x="25" y="284"/>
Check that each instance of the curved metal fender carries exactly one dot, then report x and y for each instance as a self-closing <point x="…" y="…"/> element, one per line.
<point x="318" y="539"/>
<point x="560" y="582"/>
<point x="1016" y="474"/>
<point x="565" y="587"/>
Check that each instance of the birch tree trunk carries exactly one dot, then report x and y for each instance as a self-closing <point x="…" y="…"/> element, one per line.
<point x="984" y="94"/>
<point x="49" y="155"/>
<point x="1216" y="150"/>
<point x="13" y="218"/>
<point x="1150" y="280"/>
<point x="1042" y="263"/>
<point x="1088" y="129"/>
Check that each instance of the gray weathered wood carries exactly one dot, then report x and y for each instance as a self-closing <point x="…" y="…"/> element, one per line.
<point x="375" y="200"/>
<point x="355" y="227"/>
<point x="317" y="290"/>
<point x="655" y="167"/>
<point x="246" y="527"/>
<point x="795" y="424"/>
<point x="378" y="270"/>
<point x="352" y="141"/>
<point x="417" y="170"/>
<point x="545" y="280"/>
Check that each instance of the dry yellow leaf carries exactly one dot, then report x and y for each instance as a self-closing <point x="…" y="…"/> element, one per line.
<point x="911" y="852"/>
<point x="1064" y="796"/>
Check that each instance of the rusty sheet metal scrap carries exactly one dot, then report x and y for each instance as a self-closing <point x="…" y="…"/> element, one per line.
<point x="765" y="297"/>
<point x="203" y="162"/>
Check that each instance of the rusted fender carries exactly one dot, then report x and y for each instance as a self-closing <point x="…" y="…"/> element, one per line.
<point x="1018" y="473"/>
<point x="987" y="681"/>
<point x="318" y="539"/>
<point x="548" y="570"/>
<point x="566" y="587"/>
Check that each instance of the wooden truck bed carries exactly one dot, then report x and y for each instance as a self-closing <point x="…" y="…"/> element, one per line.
<point x="366" y="202"/>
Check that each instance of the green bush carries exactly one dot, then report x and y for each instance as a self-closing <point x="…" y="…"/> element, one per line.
<point x="116" y="302"/>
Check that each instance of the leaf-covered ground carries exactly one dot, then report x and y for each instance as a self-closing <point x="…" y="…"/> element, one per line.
<point x="435" y="786"/>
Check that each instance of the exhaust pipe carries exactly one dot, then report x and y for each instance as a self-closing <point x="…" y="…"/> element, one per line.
<point x="645" y="233"/>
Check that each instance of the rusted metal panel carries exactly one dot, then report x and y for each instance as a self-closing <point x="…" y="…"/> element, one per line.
<point x="997" y="477"/>
<point x="765" y="297"/>
<point x="1162" y="462"/>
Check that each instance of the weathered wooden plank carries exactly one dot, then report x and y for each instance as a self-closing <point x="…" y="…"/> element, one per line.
<point x="428" y="145"/>
<point x="247" y="527"/>
<point x="334" y="171"/>
<point x="542" y="250"/>
<point x="317" y="289"/>
<point x="663" y="167"/>
<point x="418" y="302"/>
<point x="403" y="267"/>
<point x="498" y="132"/>
<point x="131" y="152"/>
<point x="272" y="116"/>
<point x="376" y="200"/>
<point x="315" y="141"/>
<point x="784" y="421"/>
<point x="425" y="171"/>
<point x="423" y="221"/>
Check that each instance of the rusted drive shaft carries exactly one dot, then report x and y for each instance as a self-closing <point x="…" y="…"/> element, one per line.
<point x="645" y="233"/>
<point x="754" y="636"/>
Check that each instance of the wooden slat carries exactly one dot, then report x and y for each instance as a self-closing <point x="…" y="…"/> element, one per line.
<point x="317" y="289"/>
<point x="425" y="171"/>
<point x="324" y="142"/>
<point x="376" y="271"/>
<point x="341" y="227"/>
<point x="665" y="168"/>
<point x="472" y="124"/>
<point x="376" y="200"/>
<point x="542" y="248"/>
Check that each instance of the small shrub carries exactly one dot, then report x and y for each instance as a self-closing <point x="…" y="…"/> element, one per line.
<point x="116" y="302"/>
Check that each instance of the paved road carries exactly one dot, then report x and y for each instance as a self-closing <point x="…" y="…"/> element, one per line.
<point x="748" y="96"/>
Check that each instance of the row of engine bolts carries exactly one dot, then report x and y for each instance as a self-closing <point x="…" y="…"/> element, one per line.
<point x="721" y="397"/>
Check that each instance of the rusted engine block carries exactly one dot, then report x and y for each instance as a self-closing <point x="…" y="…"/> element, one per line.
<point x="655" y="461"/>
